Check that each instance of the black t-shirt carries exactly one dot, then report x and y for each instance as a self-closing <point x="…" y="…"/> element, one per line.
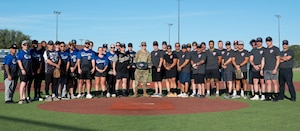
<point x="182" y="57"/>
<point x="197" y="58"/>
<point x="257" y="54"/>
<point x="240" y="56"/>
<point x="225" y="57"/>
<point x="287" y="64"/>
<point x="212" y="59"/>
<point x="155" y="57"/>
<point x="270" y="55"/>
<point x="122" y="61"/>
<point x="169" y="58"/>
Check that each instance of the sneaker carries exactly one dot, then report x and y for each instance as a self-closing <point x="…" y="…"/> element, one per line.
<point x="9" y="102"/>
<point x="180" y="95"/>
<point x="113" y="95"/>
<point x="227" y="96"/>
<point x="48" y="98"/>
<point x="198" y="95"/>
<point x="245" y="97"/>
<point x="89" y="96"/>
<point x="41" y="99"/>
<point x="255" y="98"/>
<point x="202" y="96"/>
<point x="78" y="96"/>
<point x="208" y="95"/>
<point x="108" y="95"/>
<point x="217" y="95"/>
<point x="72" y="96"/>
<point x="171" y="95"/>
<point x="155" y="95"/>
<point x="55" y="99"/>
<point x="184" y="95"/>
<point x="262" y="98"/>
<point x="28" y="100"/>
<point x="160" y="95"/>
<point x="22" y="102"/>
<point x="236" y="97"/>
<point x="193" y="94"/>
<point x="234" y="93"/>
<point x="35" y="98"/>
<point x="65" y="98"/>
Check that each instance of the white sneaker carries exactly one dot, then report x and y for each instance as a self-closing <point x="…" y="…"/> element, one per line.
<point x="255" y="98"/>
<point x="72" y="97"/>
<point x="234" y="93"/>
<point x="236" y="97"/>
<point x="193" y="94"/>
<point x="184" y="95"/>
<point x="89" y="96"/>
<point x="155" y="95"/>
<point x="78" y="96"/>
<point x="108" y="95"/>
<point x="113" y="95"/>
<point x="180" y="95"/>
<point x="262" y="98"/>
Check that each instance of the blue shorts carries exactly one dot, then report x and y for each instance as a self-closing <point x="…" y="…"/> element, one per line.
<point x="184" y="77"/>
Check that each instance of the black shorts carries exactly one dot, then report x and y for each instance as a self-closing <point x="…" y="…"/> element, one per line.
<point x="228" y="76"/>
<point x="25" y="78"/>
<point x="131" y="74"/>
<point x="171" y="73"/>
<point x="98" y="74"/>
<point x="121" y="76"/>
<point x="198" y="78"/>
<point x="192" y="75"/>
<point x="86" y="75"/>
<point x="156" y="76"/>
<point x="256" y="75"/>
<point x="212" y="73"/>
<point x="163" y="73"/>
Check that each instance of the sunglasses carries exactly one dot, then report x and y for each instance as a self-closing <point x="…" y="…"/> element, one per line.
<point x="112" y="47"/>
<point x="143" y="45"/>
<point x="25" y="45"/>
<point x="62" y="46"/>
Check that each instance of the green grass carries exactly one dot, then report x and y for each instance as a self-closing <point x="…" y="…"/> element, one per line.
<point x="283" y="115"/>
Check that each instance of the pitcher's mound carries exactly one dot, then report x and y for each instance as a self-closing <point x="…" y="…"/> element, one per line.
<point x="142" y="106"/>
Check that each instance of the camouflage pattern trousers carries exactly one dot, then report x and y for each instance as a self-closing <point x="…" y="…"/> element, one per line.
<point x="141" y="76"/>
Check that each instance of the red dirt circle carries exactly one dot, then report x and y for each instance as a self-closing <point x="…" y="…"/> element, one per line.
<point x="142" y="106"/>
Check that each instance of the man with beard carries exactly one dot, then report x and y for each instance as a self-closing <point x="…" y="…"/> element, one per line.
<point x="228" y="68"/>
<point x="184" y="68"/>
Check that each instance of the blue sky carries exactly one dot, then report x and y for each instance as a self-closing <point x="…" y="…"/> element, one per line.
<point x="108" y="21"/>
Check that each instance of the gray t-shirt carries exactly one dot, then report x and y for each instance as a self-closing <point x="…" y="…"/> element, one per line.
<point x="270" y="55"/>
<point x="197" y="57"/>
<point x="212" y="59"/>
<point x="182" y="57"/>
<point x="257" y="54"/>
<point x="287" y="64"/>
<point x="240" y="56"/>
<point x="225" y="57"/>
<point x="155" y="57"/>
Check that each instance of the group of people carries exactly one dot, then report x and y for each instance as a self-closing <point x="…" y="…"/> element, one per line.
<point x="188" y="70"/>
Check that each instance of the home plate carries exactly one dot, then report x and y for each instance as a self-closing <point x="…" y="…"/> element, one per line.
<point x="142" y="105"/>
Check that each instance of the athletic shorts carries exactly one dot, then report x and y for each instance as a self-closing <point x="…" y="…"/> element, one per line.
<point x="212" y="73"/>
<point x="98" y="74"/>
<point x="121" y="76"/>
<point x="171" y="73"/>
<point x="199" y="78"/>
<point x="268" y="75"/>
<point x="256" y="74"/>
<point x="156" y="76"/>
<point x="192" y="75"/>
<point x="86" y="75"/>
<point x="131" y="74"/>
<point x="184" y="77"/>
<point x="25" y="78"/>
<point x="228" y="76"/>
<point x="163" y="73"/>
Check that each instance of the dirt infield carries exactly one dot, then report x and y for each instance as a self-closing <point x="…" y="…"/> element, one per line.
<point x="142" y="106"/>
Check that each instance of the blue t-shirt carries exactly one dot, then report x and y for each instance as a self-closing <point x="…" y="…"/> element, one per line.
<point x="36" y="58"/>
<point x="101" y="62"/>
<point x="11" y="62"/>
<point x="73" y="57"/>
<point x="86" y="57"/>
<point x="25" y="58"/>
<point x="110" y="57"/>
<point x="65" y="58"/>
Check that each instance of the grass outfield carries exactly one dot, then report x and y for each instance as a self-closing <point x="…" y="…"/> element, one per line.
<point x="283" y="115"/>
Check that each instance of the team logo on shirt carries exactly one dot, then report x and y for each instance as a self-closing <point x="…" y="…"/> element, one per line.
<point x="26" y="56"/>
<point x="63" y="57"/>
<point x="271" y="51"/>
<point x="99" y="61"/>
<point x="171" y="56"/>
<point x="260" y="52"/>
<point x="14" y="61"/>
<point x="199" y="56"/>
<point x="223" y="52"/>
<point x="285" y="54"/>
<point x="74" y="57"/>
<point x="155" y="53"/>
<point x="214" y="53"/>
<point x="242" y="54"/>
<point x="228" y="53"/>
<point x="183" y="56"/>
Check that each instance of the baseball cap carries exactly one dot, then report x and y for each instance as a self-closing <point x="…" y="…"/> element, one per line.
<point x="104" y="45"/>
<point x="184" y="46"/>
<point x="188" y="45"/>
<point x="164" y="43"/>
<point x="227" y="43"/>
<point x="269" y="38"/>
<point x="129" y="44"/>
<point x="251" y="41"/>
<point x="87" y="42"/>
<point x="74" y="41"/>
<point x="155" y="43"/>
<point x="57" y="42"/>
<point x="13" y="46"/>
<point x="258" y="39"/>
<point x="143" y="43"/>
<point x="35" y="42"/>
<point x="71" y="43"/>
<point x="169" y="47"/>
<point x="50" y="42"/>
<point x="235" y="42"/>
<point x="241" y="42"/>
<point x="285" y="42"/>
<point x="25" y="42"/>
<point x="122" y="45"/>
<point x="199" y="46"/>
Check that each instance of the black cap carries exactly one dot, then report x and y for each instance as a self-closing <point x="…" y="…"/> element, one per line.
<point x="259" y="39"/>
<point x="199" y="46"/>
<point x="129" y="44"/>
<point x="122" y="45"/>
<point x="269" y="38"/>
<point x="13" y="46"/>
<point x="169" y="46"/>
<point x="35" y="42"/>
<point x="235" y="42"/>
<point x="155" y="43"/>
<point x="57" y="42"/>
<point x="251" y="41"/>
<point x="104" y="46"/>
<point x="184" y="46"/>
<point x="164" y="43"/>
<point x="202" y="43"/>
<point x="227" y="43"/>
<point x="189" y="45"/>
<point x="285" y="42"/>
<point x="50" y="42"/>
<point x="194" y="43"/>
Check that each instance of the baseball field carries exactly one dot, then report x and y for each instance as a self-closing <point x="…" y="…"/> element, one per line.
<point x="257" y="115"/>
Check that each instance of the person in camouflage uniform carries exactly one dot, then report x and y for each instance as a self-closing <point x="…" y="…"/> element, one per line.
<point x="142" y="62"/>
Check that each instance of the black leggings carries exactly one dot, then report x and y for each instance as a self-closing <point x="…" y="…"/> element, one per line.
<point x="111" y="82"/>
<point x="36" y="85"/>
<point x="49" y="79"/>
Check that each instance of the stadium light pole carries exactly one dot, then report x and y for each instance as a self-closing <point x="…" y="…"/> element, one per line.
<point x="178" y="21"/>
<point x="81" y="41"/>
<point x="278" y="17"/>
<point x="169" y="31"/>
<point x="57" y="13"/>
